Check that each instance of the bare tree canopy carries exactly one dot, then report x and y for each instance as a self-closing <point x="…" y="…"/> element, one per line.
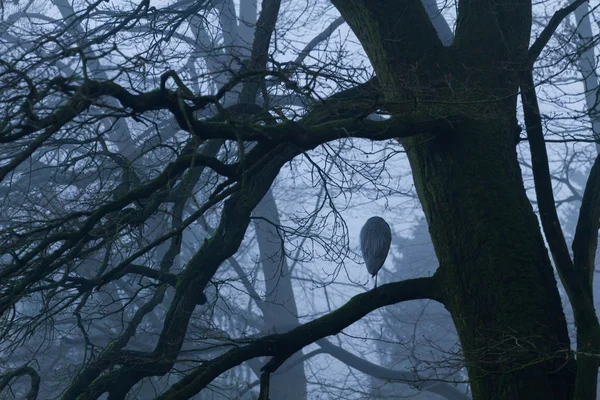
<point x="179" y="182"/>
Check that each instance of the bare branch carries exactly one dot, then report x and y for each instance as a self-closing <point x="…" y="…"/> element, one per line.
<point x="442" y="388"/>
<point x="282" y="346"/>
<point x="18" y="372"/>
<point x="539" y="44"/>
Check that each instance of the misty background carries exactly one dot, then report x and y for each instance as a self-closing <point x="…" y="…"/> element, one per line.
<point x="300" y="258"/>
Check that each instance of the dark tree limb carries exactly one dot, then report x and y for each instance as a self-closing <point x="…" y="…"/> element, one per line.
<point x="84" y="386"/>
<point x="576" y="281"/>
<point x="443" y="389"/>
<point x="360" y="100"/>
<point x="585" y="242"/>
<point x="539" y="44"/>
<point x="542" y="178"/>
<point x="265" y="377"/>
<point x="265" y="383"/>
<point x="225" y="241"/>
<point x="16" y="373"/>
<point x="308" y="137"/>
<point x="282" y="346"/>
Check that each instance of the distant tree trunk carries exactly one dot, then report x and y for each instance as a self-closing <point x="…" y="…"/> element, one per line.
<point x="279" y="308"/>
<point x="495" y="271"/>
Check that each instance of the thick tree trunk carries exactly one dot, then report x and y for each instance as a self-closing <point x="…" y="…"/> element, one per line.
<point x="498" y="281"/>
<point x="494" y="267"/>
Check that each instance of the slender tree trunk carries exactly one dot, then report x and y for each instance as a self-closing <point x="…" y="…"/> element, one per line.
<point x="279" y="309"/>
<point x="498" y="281"/>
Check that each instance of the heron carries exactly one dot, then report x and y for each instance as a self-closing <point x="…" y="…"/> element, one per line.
<point x="375" y="240"/>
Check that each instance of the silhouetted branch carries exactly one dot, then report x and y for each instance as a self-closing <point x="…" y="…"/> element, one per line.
<point x="539" y="44"/>
<point x="576" y="281"/>
<point x="17" y="373"/>
<point x="541" y="176"/>
<point x="442" y="388"/>
<point x="282" y="346"/>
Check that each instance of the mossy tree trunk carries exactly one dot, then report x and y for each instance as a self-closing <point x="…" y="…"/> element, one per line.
<point x="495" y="271"/>
<point x="497" y="278"/>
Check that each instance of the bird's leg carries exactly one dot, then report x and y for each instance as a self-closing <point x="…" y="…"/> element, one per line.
<point x="375" y="282"/>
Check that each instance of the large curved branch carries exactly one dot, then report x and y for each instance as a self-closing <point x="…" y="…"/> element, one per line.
<point x="442" y="388"/>
<point x="310" y="132"/>
<point x="225" y="241"/>
<point x="361" y="99"/>
<point x="17" y="373"/>
<point x="282" y="346"/>
<point x="308" y="137"/>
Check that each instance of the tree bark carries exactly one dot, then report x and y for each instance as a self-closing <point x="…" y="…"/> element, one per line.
<point x="495" y="273"/>
<point x="497" y="278"/>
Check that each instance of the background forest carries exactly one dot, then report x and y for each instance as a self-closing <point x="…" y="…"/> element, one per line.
<point x="183" y="183"/>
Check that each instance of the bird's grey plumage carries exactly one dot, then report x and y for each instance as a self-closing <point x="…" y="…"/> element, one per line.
<point x="375" y="240"/>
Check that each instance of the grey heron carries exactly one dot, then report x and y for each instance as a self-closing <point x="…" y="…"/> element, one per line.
<point x="375" y="240"/>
